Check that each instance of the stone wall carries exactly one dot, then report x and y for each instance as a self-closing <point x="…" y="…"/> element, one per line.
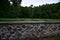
<point x="22" y="31"/>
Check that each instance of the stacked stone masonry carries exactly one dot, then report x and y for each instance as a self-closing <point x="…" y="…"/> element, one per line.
<point x="22" y="31"/>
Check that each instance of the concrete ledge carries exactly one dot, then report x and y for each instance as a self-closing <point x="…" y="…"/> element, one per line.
<point x="32" y="22"/>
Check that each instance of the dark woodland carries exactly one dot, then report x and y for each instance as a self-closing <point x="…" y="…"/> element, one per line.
<point x="48" y="11"/>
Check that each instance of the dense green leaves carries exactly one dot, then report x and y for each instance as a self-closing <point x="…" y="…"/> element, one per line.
<point x="44" y="11"/>
<point x="16" y="2"/>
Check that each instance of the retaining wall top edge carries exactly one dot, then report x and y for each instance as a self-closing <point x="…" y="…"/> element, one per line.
<point x="31" y="22"/>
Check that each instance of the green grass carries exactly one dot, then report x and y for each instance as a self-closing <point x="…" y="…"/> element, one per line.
<point x="27" y="19"/>
<point x="57" y="37"/>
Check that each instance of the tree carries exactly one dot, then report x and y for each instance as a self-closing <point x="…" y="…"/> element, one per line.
<point x="16" y="2"/>
<point x="4" y="4"/>
<point x="4" y="7"/>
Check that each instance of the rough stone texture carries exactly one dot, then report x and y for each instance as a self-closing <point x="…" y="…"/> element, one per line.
<point x="22" y="31"/>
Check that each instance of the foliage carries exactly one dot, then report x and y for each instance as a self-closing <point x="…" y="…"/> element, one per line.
<point x="48" y="11"/>
<point x="16" y="2"/>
